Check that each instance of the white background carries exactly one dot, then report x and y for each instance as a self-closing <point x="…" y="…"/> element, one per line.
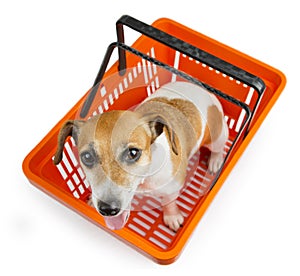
<point x="50" y="52"/>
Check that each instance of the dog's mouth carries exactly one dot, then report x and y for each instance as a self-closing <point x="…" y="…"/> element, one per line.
<point x="117" y="222"/>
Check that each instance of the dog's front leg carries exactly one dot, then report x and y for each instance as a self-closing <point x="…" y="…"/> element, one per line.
<point x="171" y="213"/>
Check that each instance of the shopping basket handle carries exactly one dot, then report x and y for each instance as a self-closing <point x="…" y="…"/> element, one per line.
<point x="185" y="48"/>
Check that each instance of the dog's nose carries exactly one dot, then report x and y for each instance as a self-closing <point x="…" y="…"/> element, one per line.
<point x="109" y="209"/>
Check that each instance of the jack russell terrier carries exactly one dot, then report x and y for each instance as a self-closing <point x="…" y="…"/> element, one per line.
<point x="147" y="150"/>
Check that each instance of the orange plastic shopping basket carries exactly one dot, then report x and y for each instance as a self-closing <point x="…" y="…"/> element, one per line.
<point x="166" y="51"/>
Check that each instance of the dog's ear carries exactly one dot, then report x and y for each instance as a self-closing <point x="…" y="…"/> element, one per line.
<point x="157" y="123"/>
<point x="70" y="128"/>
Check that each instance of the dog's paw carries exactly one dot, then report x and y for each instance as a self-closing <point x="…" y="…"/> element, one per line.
<point x="215" y="162"/>
<point x="174" y="221"/>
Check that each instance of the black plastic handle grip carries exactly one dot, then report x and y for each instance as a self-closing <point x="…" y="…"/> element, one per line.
<point x="185" y="48"/>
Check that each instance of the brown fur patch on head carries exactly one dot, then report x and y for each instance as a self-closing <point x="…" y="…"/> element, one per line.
<point x="115" y="132"/>
<point x="214" y="125"/>
<point x="183" y="116"/>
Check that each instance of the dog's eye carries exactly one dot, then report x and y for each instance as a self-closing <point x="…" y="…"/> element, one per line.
<point x="132" y="155"/>
<point x="88" y="158"/>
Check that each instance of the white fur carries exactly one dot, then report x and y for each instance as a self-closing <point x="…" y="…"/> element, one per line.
<point x="160" y="180"/>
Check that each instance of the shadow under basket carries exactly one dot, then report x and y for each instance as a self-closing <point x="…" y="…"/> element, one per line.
<point x="165" y="52"/>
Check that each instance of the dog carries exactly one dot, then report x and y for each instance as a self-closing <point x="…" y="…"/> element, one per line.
<point x="147" y="149"/>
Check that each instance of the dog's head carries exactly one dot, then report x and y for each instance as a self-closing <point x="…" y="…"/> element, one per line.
<point x="115" y="153"/>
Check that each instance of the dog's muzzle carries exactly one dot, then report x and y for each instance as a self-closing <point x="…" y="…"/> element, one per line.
<point x="114" y="217"/>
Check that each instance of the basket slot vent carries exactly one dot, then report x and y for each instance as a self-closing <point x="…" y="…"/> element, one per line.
<point x="152" y="204"/>
<point x="148" y="90"/>
<point x="86" y="183"/>
<point x="162" y="236"/>
<point x="229" y="143"/>
<point x="62" y="171"/>
<point x="203" y="163"/>
<point x="195" y="188"/>
<point x="166" y="230"/>
<point x="193" y="160"/>
<point x="240" y="120"/>
<point x="149" y="70"/>
<point x="76" y="179"/>
<point x="105" y="103"/>
<point x="121" y="89"/>
<point x="227" y="146"/>
<point x="125" y="83"/>
<point x="202" y="170"/>
<point x="81" y="189"/>
<point x="187" y="199"/>
<point x="67" y="163"/>
<point x="176" y="65"/>
<point x="139" y="67"/>
<point x="158" y="243"/>
<point x="100" y="109"/>
<point x="116" y="94"/>
<point x="76" y="195"/>
<point x="141" y="223"/>
<point x="152" y="53"/>
<point x="70" y="185"/>
<point x="190" y="193"/>
<point x="103" y="91"/>
<point x="231" y="123"/>
<point x="198" y="182"/>
<point x="157" y="82"/>
<point x="151" y="211"/>
<point x="111" y="99"/>
<point x="71" y="155"/>
<point x="153" y="88"/>
<point x="202" y="174"/>
<point x="183" y="205"/>
<point x="134" y="72"/>
<point x="146" y="217"/>
<point x="145" y="71"/>
<point x="134" y="202"/>
<point x="136" y="229"/>
<point x="130" y="77"/>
